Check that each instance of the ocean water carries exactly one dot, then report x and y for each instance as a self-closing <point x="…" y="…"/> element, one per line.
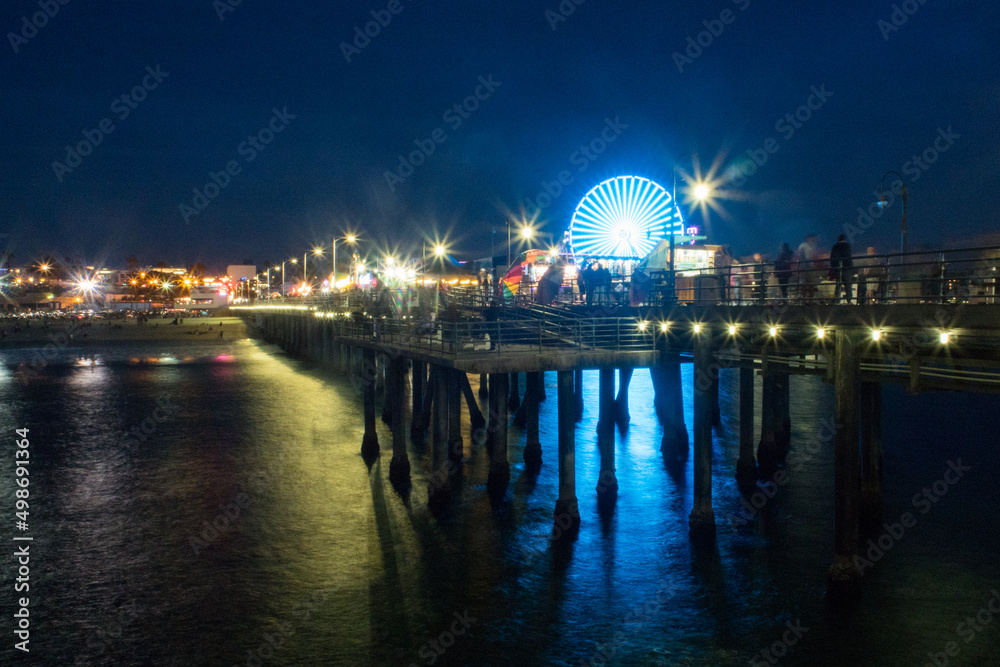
<point x="314" y="558"/>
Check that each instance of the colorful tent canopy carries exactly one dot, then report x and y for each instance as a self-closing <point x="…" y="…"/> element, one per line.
<point x="511" y="282"/>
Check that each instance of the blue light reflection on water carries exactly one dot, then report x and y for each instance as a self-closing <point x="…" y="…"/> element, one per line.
<point x="119" y="582"/>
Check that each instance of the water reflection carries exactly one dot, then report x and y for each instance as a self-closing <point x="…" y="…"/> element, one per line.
<point x="325" y="546"/>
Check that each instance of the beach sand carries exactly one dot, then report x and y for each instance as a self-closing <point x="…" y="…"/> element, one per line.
<point x="81" y="332"/>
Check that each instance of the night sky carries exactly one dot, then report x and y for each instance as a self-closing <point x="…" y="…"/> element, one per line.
<point x="555" y="81"/>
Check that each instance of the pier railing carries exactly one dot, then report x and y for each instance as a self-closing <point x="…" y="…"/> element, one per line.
<point x="960" y="276"/>
<point x="503" y="337"/>
<point x="956" y="276"/>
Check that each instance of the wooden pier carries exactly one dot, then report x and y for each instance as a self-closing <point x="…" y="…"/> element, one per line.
<point x="925" y="347"/>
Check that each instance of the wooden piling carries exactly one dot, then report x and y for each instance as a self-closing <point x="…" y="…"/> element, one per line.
<point x="567" y="512"/>
<point x="782" y="415"/>
<point x="713" y="396"/>
<point x="476" y="420"/>
<point x="425" y="409"/>
<point x="399" y="466"/>
<point x="387" y="403"/>
<point x="578" y="393"/>
<point x="499" y="475"/>
<point x="515" y="395"/>
<point x="746" y="465"/>
<point x="871" y="455"/>
<point x="622" y="416"/>
<point x="369" y="445"/>
<point x="439" y="491"/>
<point x="844" y="582"/>
<point x="607" y="482"/>
<point x="456" y="443"/>
<point x="767" y="449"/>
<point x="701" y="521"/>
<point x="674" y="444"/>
<point x="417" y="384"/>
<point x="532" y="445"/>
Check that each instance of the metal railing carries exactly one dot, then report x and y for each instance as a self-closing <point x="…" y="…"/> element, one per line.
<point x="963" y="275"/>
<point x="503" y="337"/>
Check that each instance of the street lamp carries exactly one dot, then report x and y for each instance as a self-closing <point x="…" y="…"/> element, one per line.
<point x="291" y="261"/>
<point x="350" y="238"/>
<point x="305" y="266"/>
<point x="526" y="234"/>
<point x="701" y="191"/>
<point x="884" y="201"/>
<point x="672" y="277"/>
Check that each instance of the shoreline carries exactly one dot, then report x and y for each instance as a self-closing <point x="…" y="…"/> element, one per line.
<point x="83" y="333"/>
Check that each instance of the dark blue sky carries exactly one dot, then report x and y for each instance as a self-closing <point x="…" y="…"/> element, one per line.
<point x="325" y="170"/>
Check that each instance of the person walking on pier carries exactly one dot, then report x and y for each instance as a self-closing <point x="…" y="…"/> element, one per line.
<point x="783" y="270"/>
<point x="581" y="283"/>
<point x="759" y="278"/>
<point x="602" y="276"/>
<point x="590" y="282"/>
<point x="869" y="277"/>
<point x="808" y="276"/>
<point x="842" y="267"/>
<point x="723" y="273"/>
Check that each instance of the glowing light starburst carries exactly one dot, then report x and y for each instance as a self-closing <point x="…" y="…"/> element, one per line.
<point x="624" y="217"/>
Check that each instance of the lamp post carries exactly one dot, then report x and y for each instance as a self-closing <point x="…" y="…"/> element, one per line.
<point x="508" y="244"/>
<point x="884" y="201"/>
<point x="319" y="253"/>
<point x="672" y="276"/>
<point x="350" y="238"/>
<point x="526" y="233"/>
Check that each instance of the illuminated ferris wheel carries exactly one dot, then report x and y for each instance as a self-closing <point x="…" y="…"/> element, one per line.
<point x="623" y="217"/>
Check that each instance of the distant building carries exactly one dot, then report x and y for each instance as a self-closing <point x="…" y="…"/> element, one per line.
<point x="204" y="298"/>
<point x="238" y="272"/>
